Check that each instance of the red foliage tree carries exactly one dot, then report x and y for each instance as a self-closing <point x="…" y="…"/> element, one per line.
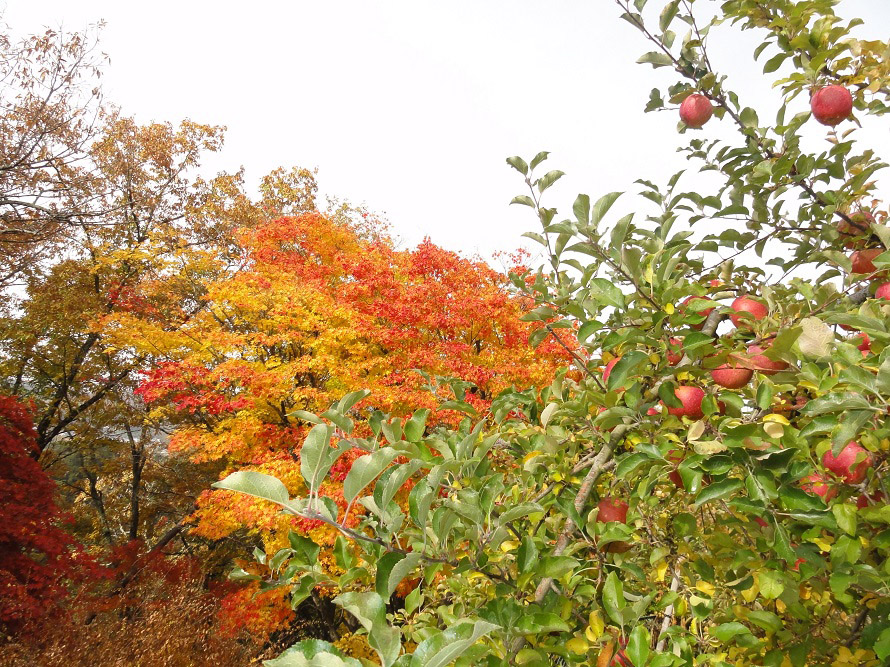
<point x="37" y="556"/>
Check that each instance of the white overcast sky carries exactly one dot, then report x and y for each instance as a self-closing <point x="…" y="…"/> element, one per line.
<point x="411" y="106"/>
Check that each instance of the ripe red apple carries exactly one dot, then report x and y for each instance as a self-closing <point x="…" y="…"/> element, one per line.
<point x="703" y="313"/>
<point x="731" y="376"/>
<point x="675" y="351"/>
<point x="883" y="292"/>
<point x="612" y="510"/>
<point x="745" y="304"/>
<point x="842" y="464"/>
<point x="760" y="522"/>
<point x="817" y="483"/>
<point x="863" y="260"/>
<point x="691" y="398"/>
<point x="608" y="369"/>
<point x="696" y="110"/>
<point x="861" y="224"/>
<point x="652" y="411"/>
<point x="831" y="104"/>
<point x="763" y="364"/>
<point x="675" y="456"/>
<point x="867" y="499"/>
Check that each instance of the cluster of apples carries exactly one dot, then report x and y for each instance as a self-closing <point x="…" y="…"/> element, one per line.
<point x="830" y="105"/>
<point x="734" y="374"/>
<point x="740" y="368"/>
<point x="856" y="230"/>
<point x="849" y="466"/>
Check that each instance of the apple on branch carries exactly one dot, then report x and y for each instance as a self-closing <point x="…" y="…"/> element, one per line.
<point x="863" y="260"/>
<point x="831" y="105"/>
<point x="845" y="465"/>
<point x="696" y="110"/>
<point x="818" y="484"/>
<point x="762" y="363"/>
<point x="732" y="376"/>
<point x="691" y="398"/>
<point x="613" y="510"/>
<point x="746" y="304"/>
<point x="704" y="313"/>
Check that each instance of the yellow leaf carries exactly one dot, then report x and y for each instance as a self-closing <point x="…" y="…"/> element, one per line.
<point x="528" y="457"/>
<point x="822" y="543"/>
<point x="661" y="570"/>
<point x="669" y="308"/>
<point x="751" y="593"/>
<point x="780" y="606"/>
<point x="696" y="430"/>
<point x="705" y="587"/>
<point x="577" y="645"/>
<point x="595" y="626"/>
<point x="509" y="545"/>
<point x="780" y="419"/>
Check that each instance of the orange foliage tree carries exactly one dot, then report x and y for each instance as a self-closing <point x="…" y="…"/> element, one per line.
<point x="320" y="307"/>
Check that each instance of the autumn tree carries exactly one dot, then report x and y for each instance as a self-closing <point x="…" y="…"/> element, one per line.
<point x="50" y="113"/>
<point x="320" y="308"/>
<point x="712" y="489"/>
<point x="38" y="558"/>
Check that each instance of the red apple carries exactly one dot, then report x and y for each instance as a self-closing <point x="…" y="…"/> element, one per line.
<point x="731" y="376"/>
<point x="861" y="224"/>
<point x="703" y="313"/>
<point x="817" y="483"/>
<point x="760" y="522"/>
<point x="652" y="411"/>
<point x="612" y="510"/>
<point x="675" y="351"/>
<point x="608" y="370"/>
<point x="745" y="304"/>
<point x="883" y="292"/>
<point x="691" y="398"/>
<point x="696" y="110"/>
<point x="762" y="363"/>
<point x="675" y="456"/>
<point x="842" y="464"/>
<point x="863" y="260"/>
<point x="867" y="499"/>
<point x="831" y="104"/>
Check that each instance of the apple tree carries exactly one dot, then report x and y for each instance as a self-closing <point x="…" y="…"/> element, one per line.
<point x="707" y="485"/>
